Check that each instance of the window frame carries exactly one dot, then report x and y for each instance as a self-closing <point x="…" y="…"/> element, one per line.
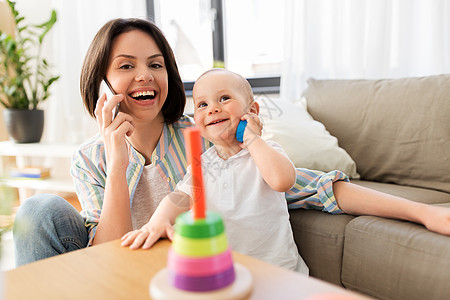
<point x="264" y="84"/>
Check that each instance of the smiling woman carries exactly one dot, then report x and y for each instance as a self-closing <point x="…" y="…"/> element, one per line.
<point x="123" y="172"/>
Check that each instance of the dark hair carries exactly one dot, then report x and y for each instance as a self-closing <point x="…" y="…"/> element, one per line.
<point x="97" y="57"/>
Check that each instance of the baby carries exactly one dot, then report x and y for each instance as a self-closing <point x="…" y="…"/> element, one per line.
<point x="245" y="182"/>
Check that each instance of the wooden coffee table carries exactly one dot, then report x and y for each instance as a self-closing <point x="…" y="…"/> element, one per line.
<point x="109" y="271"/>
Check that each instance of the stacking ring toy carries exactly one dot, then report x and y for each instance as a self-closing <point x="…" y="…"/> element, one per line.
<point x="203" y="266"/>
<point x="199" y="263"/>
<point x="204" y="283"/>
<point x="199" y="247"/>
<point x="189" y="227"/>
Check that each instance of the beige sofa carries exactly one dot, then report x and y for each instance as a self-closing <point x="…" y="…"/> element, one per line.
<point x="398" y="133"/>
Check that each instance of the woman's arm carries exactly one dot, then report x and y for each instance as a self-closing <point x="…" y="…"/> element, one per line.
<point x="358" y="200"/>
<point x="115" y="218"/>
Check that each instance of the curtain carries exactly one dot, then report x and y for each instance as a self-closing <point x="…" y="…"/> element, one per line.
<point x="67" y="121"/>
<point x="349" y="39"/>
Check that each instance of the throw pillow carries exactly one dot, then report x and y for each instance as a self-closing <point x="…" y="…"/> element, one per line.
<point x="306" y="141"/>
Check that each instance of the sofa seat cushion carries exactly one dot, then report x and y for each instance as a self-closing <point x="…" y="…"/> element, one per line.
<point x="396" y="130"/>
<point x="320" y="240"/>
<point x="391" y="259"/>
<point x="412" y="193"/>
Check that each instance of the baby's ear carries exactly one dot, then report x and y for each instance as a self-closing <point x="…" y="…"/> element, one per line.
<point x="254" y="107"/>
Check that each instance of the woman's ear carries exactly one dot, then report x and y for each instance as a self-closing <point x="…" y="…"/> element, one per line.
<point x="254" y="107"/>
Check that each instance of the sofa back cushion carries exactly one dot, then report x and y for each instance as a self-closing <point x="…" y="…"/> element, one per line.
<point x="396" y="130"/>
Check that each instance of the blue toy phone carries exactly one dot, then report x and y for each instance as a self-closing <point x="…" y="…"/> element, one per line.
<point x="240" y="131"/>
<point x="105" y="87"/>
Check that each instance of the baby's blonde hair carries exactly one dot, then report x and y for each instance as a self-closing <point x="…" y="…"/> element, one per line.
<point x="245" y="84"/>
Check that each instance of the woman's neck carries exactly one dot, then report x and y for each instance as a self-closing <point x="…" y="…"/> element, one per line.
<point x="146" y="136"/>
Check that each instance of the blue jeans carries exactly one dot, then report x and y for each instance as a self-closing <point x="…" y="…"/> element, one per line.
<point x="47" y="225"/>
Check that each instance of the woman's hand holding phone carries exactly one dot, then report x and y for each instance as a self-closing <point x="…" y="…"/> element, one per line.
<point x="105" y="88"/>
<point x="114" y="133"/>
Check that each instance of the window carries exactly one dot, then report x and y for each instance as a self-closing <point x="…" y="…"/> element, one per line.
<point x="245" y="36"/>
<point x="254" y="36"/>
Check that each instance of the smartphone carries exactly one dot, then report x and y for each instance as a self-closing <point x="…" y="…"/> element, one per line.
<point x="240" y="131"/>
<point x="105" y="87"/>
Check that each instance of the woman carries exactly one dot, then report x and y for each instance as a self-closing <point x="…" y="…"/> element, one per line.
<point x="122" y="173"/>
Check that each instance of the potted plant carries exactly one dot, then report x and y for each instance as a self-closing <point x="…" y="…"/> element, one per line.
<point x="24" y="77"/>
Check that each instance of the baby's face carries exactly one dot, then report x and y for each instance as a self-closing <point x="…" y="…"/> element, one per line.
<point x="220" y="100"/>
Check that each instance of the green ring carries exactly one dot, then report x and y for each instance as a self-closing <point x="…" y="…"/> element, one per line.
<point x="212" y="225"/>
<point x="199" y="247"/>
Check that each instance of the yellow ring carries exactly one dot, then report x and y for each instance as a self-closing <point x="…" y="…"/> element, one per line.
<point x="199" y="247"/>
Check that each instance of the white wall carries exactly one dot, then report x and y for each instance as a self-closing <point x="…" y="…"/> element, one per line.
<point x="37" y="12"/>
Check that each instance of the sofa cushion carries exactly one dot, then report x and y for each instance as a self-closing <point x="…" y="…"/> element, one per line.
<point x="396" y="130"/>
<point x="320" y="240"/>
<point x="412" y="193"/>
<point x="391" y="259"/>
<point x="306" y="141"/>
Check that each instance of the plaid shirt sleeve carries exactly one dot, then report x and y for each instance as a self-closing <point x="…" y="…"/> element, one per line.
<point x="314" y="190"/>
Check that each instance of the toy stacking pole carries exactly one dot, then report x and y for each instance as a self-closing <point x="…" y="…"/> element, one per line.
<point x="195" y="151"/>
<point x="199" y="262"/>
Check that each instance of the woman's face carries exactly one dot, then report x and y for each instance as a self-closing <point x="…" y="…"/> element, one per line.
<point x="137" y="70"/>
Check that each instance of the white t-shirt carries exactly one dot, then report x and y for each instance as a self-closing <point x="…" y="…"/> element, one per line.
<point x="150" y="190"/>
<point x="256" y="217"/>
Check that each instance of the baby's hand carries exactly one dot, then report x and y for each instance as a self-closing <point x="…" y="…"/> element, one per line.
<point x="148" y="234"/>
<point x="253" y="130"/>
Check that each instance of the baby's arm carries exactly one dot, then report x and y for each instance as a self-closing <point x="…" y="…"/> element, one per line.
<point x="357" y="200"/>
<point x="161" y="222"/>
<point x="276" y="169"/>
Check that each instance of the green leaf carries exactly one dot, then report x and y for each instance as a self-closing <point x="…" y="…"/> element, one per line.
<point x="51" y="80"/>
<point x="47" y="26"/>
<point x="18" y="20"/>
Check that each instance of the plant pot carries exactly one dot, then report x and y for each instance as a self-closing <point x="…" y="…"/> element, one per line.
<point x="24" y="126"/>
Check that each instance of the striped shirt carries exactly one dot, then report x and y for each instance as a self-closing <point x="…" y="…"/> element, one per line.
<point x="313" y="189"/>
